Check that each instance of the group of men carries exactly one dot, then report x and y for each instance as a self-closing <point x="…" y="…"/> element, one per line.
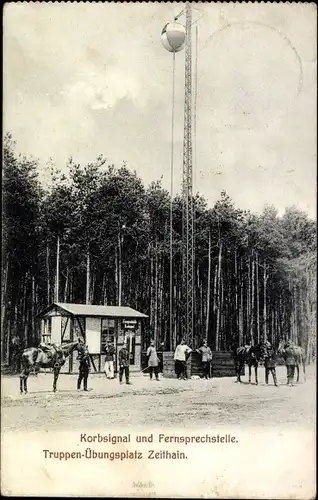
<point x="84" y="362"/>
<point x="269" y="358"/>
<point x="109" y="350"/>
<point x="182" y="353"/>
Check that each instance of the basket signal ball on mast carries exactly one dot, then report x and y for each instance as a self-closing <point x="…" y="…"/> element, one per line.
<point x="174" y="38"/>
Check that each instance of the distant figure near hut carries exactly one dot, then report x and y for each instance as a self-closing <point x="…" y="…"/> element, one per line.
<point x="153" y="361"/>
<point x="206" y="358"/>
<point x="84" y="368"/>
<point x="14" y="348"/>
<point x="109" y="361"/>
<point x="124" y="360"/>
<point x="180" y="357"/>
<point x="290" y="362"/>
<point x="269" y="362"/>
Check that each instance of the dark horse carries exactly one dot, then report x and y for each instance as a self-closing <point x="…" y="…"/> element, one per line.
<point x="250" y="355"/>
<point x="36" y="358"/>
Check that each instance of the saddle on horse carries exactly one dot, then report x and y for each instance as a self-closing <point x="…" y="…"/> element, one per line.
<point x="54" y="351"/>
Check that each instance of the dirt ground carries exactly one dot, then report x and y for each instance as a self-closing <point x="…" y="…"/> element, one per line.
<point x="169" y="402"/>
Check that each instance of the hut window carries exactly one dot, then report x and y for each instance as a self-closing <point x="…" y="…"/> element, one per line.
<point x="79" y="327"/>
<point x="46" y="333"/>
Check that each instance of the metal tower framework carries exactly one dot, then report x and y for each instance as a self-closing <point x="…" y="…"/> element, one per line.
<point x="187" y="191"/>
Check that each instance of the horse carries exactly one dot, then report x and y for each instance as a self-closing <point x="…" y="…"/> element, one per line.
<point x="36" y="358"/>
<point x="289" y="349"/>
<point x="251" y="355"/>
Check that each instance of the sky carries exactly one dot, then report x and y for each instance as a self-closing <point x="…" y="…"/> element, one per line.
<point x="84" y="79"/>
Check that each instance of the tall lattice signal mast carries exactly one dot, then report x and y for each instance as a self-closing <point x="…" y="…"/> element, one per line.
<point x="174" y="36"/>
<point x="187" y="189"/>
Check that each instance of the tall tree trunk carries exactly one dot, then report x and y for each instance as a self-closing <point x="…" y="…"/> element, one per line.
<point x="57" y="278"/>
<point x="88" y="277"/>
<point x="24" y="311"/>
<point x="116" y="294"/>
<point x="215" y="290"/>
<point x="33" y="308"/>
<point x="252" y="299"/>
<point x="295" y="314"/>
<point x="218" y="296"/>
<point x="221" y="321"/>
<point x="102" y="294"/>
<point x="236" y="312"/>
<point x="156" y="293"/>
<point x="248" y="299"/>
<point x="92" y="287"/>
<point x="151" y="291"/>
<point x="208" y="297"/>
<point x="48" y="273"/>
<point x="200" y="321"/>
<point x="161" y="302"/>
<point x="119" y="270"/>
<point x="175" y="312"/>
<point x="265" y="300"/>
<point x="66" y="285"/>
<point x="241" y="312"/>
<point x="257" y="303"/>
<point x="71" y="287"/>
<point x="5" y="334"/>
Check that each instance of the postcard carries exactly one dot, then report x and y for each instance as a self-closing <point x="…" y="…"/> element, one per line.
<point x="158" y="328"/>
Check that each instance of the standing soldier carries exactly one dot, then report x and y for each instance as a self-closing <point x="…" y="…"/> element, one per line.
<point x="13" y="354"/>
<point x="123" y="359"/>
<point x="290" y="362"/>
<point x="270" y="363"/>
<point x="180" y="357"/>
<point x="153" y="360"/>
<point x="109" y="360"/>
<point x="84" y="367"/>
<point x="206" y="354"/>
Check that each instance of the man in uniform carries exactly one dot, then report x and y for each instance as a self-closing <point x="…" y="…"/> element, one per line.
<point x="84" y="366"/>
<point x="270" y="363"/>
<point x="290" y="362"/>
<point x="206" y="354"/>
<point x="153" y="361"/>
<point x="124" y="361"/>
<point x="109" y="360"/>
<point x="14" y="347"/>
<point x="180" y="357"/>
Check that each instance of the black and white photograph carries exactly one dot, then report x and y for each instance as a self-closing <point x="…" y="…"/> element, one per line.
<point x="159" y="250"/>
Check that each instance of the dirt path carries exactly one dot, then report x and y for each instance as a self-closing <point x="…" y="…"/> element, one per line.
<point x="168" y="403"/>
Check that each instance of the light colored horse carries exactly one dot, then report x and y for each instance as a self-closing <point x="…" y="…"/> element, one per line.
<point x="295" y="351"/>
<point x="36" y="358"/>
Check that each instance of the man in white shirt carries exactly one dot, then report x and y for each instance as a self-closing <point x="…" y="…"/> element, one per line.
<point x="180" y="357"/>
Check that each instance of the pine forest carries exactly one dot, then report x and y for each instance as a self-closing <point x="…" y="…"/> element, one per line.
<point x="106" y="236"/>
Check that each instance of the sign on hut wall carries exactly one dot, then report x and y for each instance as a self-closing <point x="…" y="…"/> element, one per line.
<point x="130" y="324"/>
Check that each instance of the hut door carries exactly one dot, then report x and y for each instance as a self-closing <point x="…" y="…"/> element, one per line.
<point x="56" y="329"/>
<point x="131" y="342"/>
<point x="108" y="336"/>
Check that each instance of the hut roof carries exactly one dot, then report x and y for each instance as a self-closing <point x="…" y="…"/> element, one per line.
<point x="95" y="310"/>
